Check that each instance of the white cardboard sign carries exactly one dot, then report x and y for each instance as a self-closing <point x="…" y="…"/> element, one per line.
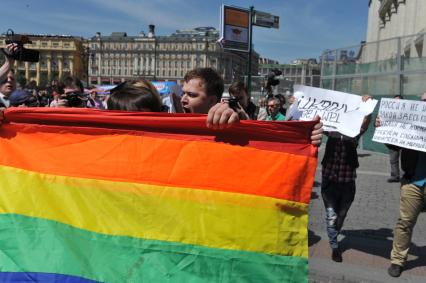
<point x="339" y="111"/>
<point x="403" y="123"/>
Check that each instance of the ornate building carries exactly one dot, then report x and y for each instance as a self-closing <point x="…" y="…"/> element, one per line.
<point x="388" y="19"/>
<point x="59" y="56"/>
<point x="118" y="57"/>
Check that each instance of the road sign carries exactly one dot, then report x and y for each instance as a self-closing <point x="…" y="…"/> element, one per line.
<point x="266" y="20"/>
<point x="235" y="25"/>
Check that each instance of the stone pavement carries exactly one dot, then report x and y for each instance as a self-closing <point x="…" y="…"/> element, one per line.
<point x="368" y="230"/>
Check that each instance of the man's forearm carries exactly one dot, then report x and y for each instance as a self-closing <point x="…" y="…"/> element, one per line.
<point x="4" y="69"/>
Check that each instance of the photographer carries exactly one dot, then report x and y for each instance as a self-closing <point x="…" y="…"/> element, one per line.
<point x="7" y="80"/>
<point x="71" y="94"/>
<point x="239" y="91"/>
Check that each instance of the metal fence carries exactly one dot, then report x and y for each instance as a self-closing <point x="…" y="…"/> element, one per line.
<point x="381" y="69"/>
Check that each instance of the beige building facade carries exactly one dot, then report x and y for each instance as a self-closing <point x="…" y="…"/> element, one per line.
<point x="388" y="19"/>
<point x="60" y="56"/>
<point x="120" y="57"/>
<point x="393" y="18"/>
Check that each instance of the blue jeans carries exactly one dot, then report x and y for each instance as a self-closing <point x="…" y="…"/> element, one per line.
<point x="337" y="198"/>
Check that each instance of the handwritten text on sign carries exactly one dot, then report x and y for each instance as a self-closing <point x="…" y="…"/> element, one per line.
<point x="340" y="112"/>
<point x="403" y="123"/>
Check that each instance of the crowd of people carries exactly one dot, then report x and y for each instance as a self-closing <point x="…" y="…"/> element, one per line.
<point x="202" y="91"/>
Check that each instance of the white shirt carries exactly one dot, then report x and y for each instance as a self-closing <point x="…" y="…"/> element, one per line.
<point x="4" y="100"/>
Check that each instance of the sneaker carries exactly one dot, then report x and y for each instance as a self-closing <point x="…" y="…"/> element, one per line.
<point x="336" y="255"/>
<point x="393" y="180"/>
<point x="395" y="270"/>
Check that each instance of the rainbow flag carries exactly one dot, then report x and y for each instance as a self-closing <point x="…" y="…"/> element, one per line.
<point x="98" y="196"/>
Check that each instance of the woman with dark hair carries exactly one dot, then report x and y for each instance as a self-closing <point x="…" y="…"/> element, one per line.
<point x="138" y="95"/>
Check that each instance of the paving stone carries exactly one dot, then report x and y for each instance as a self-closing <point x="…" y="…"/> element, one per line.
<point x="368" y="230"/>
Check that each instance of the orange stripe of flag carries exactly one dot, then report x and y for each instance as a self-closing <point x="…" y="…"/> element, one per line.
<point x="165" y="161"/>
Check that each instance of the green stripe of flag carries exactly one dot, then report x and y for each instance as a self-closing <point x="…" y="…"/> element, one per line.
<point x="39" y="245"/>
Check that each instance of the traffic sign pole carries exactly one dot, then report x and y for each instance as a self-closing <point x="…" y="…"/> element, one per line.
<point x="249" y="53"/>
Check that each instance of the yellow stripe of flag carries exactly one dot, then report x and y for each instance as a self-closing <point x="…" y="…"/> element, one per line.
<point x="200" y="217"/>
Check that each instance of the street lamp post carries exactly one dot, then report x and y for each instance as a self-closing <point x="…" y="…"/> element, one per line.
<point x="207" y="48"/>
<point x="155" y="58"/>
<point x="85" y="56"/>
<point x="250" y="52"/>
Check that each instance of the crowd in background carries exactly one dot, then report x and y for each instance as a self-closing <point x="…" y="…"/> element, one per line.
<point x="70" y="93"/>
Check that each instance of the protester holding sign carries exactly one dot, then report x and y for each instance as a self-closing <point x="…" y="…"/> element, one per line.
<point x="338" y="181"/>
<point x="413" y="196"/>
<point x="346" y="117"/>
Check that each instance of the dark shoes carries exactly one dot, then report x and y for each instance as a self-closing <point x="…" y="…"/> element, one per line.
<point x="336" y="255"/>
<point x="393" y="180"/>
<point x="395" y="270"/>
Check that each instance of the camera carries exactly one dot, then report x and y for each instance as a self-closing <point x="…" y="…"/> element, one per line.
<point x="75" y="99"/>
<point x="232" y="101"/>
<point x="21" y="53"/>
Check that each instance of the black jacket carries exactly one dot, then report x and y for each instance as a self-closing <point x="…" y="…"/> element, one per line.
<point x="252" y="110"/>
<point x="409" y="160"/>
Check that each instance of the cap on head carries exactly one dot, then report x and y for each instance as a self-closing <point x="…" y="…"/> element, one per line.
<point x="19" y="97"/>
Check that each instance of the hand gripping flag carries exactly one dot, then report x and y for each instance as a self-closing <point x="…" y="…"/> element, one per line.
<point x="107" y="196"/>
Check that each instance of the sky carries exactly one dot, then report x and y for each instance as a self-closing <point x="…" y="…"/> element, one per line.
<point x="307" y="27"/>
